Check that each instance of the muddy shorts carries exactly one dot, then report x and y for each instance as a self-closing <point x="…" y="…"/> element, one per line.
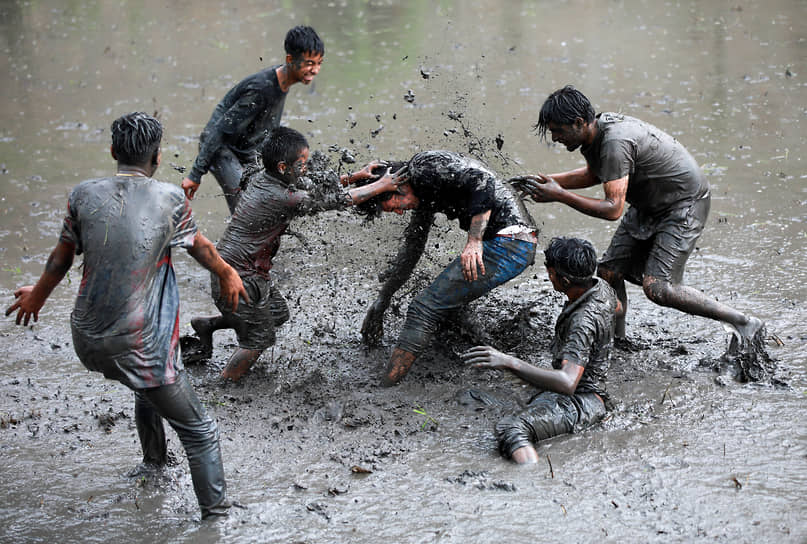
<point x="664" y="252"/>
<point x="504" y="258"/>
<point x="548" y="414"/>
<point x="255" y="321"/>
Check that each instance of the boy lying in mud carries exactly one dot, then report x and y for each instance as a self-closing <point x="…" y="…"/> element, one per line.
<point x="501" y="244"/>
<point x="573" y="392"/>
<point x="270" y="199"/>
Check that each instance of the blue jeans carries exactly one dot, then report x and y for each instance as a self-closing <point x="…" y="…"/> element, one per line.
<point x="504" y="259"/>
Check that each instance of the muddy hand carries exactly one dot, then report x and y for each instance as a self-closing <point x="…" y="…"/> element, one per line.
<point x="486" y="357"/>
<point x="190" y="187"/>
<point x="473" y="264"/>
<point x="23" y="304"/>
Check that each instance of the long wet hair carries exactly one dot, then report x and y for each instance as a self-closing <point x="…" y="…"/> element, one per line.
<point x="301" y="40"/>
<point x="563" y="107"/>
<point x="572" y="258"/>
<point x="136" y="138"/>
<point x="282" y="144"/>
<point x="370" y="209"/>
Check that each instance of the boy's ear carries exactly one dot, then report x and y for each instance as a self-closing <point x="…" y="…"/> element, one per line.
<point x="281" y="167"/>
<point x="112" y="152"/>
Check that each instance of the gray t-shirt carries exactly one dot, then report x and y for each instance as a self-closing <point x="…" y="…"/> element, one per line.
<point x="584" y="335"/>
<point x="125" y="321"/>
<point x="264" y="211"/>
<point x="662" y="175"/>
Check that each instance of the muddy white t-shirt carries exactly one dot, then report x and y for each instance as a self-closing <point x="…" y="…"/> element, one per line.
<point x="125" y="321"/>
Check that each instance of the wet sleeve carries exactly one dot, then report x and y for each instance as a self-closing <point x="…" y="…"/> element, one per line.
<point x="409" y="253"/>
<point x="70" y="227"/>
<point x="579" y="340"/>
<point x="322" y="198"/>
<point x="617" y="160"/>
<point x="184" y="225"/>
<point x="480" y="185"/>
<point x="233" y="121"/>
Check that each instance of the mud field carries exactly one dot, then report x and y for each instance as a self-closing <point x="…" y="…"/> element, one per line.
<point x="314" y="450"/>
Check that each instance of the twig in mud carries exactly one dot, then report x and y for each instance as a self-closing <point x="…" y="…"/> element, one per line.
<point x="551" y="471"/>
<point x="737" y="484"/>
<point x="563" y="508"/>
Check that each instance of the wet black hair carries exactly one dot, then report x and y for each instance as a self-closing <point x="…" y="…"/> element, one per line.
<point x="371" y="208"/>
<point x="136" y="138"/>
<point x="282" y="144"/>
<point x="572" y="258"/>
<point x="301" y="40"/>
<point x="563" y="107"/>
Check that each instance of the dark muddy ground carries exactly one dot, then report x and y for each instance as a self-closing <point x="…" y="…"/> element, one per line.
<point x="314" y="450"/>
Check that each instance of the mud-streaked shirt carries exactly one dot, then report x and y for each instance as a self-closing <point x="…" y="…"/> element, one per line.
<point x="267" y="206"/>
<point x="125" y="321"/>
<point x="461" y="187"/>
<point x="662" y="175"/>
<point x="241" y="120"/>
<point x="584" y="335"/>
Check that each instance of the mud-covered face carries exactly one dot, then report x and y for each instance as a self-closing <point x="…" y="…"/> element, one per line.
<point x="404" y="199"/>
<point x="294" y="171"/>
<point x="554" y="278"/>
<point x="305" y="67"/>
<point x="569" y="135"/>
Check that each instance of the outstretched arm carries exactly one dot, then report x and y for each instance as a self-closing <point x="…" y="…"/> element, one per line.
<point x="543" y="188"/>
<point x="563" y="380"/>
<point x="230" y="283"/>
<point x="415" y="237"/>
<point x="31" y="298"/>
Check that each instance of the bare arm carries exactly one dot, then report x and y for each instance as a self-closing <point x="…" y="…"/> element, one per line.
<point x="30" y="299"/>
<point x="575" y="179"/>
<point x="548" y="189"/>
<point x="230" y="283"/>
<point x="471" y="256"/>
<point x="563" y="380"/>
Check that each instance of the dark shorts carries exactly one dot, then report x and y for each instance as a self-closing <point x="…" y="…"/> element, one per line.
<point x="548" y="414"/>
<point x="664" y="253"/>
<point x="255" y="321"/>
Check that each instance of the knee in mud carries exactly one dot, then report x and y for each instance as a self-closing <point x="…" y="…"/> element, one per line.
<point x="656" y="290"/>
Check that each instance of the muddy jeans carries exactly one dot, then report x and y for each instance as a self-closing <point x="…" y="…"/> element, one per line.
<point x="504" y="258"/>
<point x="548" y="414"/>
<point x="178" y="404"/>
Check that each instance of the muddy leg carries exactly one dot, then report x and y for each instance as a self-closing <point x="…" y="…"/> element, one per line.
<point x="240" y="362"/>
<point x="152" y="436"/>
<point x="617" y="282"/>
<point x="692" y="301"/>
<point x="399" y="364"/>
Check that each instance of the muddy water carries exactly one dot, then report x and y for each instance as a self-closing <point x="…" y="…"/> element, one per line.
<point x="684" y="457"/>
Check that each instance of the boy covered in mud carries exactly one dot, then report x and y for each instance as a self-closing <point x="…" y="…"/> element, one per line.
<point x="669" y="199"/>
<point x="125" y="322"/>
<point x="573" y="392"/>
<point x="271" y="198"/>
<point x="232" y="137"/>
<point x="501" y="244"/>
